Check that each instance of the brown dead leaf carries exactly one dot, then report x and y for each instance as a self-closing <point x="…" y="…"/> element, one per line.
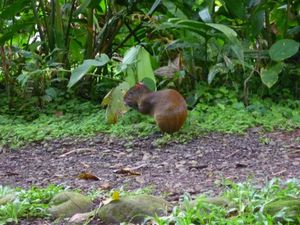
<point x="87" y="176"/>
<point x="127" y="171"/>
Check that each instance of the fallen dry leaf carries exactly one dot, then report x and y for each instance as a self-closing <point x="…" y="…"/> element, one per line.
<point x="87" y="176"/>
<point x="127" y="171"/>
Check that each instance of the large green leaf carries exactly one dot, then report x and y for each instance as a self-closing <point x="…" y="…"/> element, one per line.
<point x="236" y="8"/>
<point x="236" y="45"/>
<point x="191" y="25"/>
<point x="203" y="28"/>
<point x="256" y="22"/>
<point x="174" y="9"/>
<point x="114" y="102"/>
<point x="269" y="76"/>
<point x="137" y="66"/>
<point x="16" y="29"/>
<point x="86" y="66"/>
<point x="10" y="10"/>
<point x="283" y="49"/>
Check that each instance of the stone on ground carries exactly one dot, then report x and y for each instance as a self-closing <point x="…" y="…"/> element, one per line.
<point x="66" y="204"/>
<point x="133" y="209"/>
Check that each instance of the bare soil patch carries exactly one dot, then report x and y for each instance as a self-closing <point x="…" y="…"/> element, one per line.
<point x="176" y="168"/>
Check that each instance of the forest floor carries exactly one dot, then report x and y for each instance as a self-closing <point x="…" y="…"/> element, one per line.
<point x="197" y="167"/>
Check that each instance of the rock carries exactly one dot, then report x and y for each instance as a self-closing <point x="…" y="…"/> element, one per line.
<point x="291" y="208"/>
<point x="7" y="198"/>
<point x="133" y="209"/>
<point x="67" y="203"/>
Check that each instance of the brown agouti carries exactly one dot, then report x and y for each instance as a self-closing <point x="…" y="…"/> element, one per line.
<point x="168" y="107"/>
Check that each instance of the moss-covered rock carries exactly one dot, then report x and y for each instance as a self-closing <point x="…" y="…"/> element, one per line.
<point x="291" y="208"/>
<point x="133" y="209"/>
<point x="67" y="203"/>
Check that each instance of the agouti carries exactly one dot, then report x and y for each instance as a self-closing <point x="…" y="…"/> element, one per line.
<point x="168" y="107"/>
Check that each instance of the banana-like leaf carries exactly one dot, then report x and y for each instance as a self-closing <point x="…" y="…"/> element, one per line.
<point x="114" y="102"/>
<point x="137" y="66"/>
<point x="85" y="67"/>
<point x="203" y="28"/>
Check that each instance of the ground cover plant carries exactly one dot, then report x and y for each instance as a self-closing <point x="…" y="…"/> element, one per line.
<point x="32" y="203"/>
<point x="82" y="118"/>
<point x="239" y="203"/>
<point x="247" y="203"/>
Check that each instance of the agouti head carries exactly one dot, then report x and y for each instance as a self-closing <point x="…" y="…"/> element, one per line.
<point x="134" y="94"/>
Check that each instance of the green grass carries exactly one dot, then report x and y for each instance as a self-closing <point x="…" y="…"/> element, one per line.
<point x="30" y="203"/>
<point x="246" y="205"/>
<point x="86" y="119"/>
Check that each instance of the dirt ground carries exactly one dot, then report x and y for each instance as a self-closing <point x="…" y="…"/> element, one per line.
<point x="196" y="167"/>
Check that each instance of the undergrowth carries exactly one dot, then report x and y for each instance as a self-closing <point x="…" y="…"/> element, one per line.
<point x="245" y="204"/>
<point x="78" y="118"/>
<point x="240" y="203"/>
<point x="31" y="203"/>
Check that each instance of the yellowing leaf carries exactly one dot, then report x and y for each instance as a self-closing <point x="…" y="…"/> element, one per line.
<point x="115" y="103"/>
<point x="87" y="176"/>
<point x="107" y="99"/>
<point x="115" y="196"/>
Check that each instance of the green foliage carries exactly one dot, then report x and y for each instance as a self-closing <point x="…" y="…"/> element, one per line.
<point x="247" y="202"/>
<point x="85" y="67"/>
<point x="269" y="76"/>
<point x="28" y="204"/>
<point x="136" y="66"/>
<point x="283" y="49"/>
<point x="219" y="110"/>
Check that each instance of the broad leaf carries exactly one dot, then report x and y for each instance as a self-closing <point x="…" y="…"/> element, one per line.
<point x="236" y="8"/>
<point x="114" y="102"/>
<point x="283" y="49"/>
<point x="202" y="28"/>
<point x="85" y="67"/>
<point x="269" y="76"/>
<point x="232" y="37"/>
<point x="174" y="9"/>
<point x="257" y="21"/>
<point x="13" y="9"/>
<point x="137" y="66"/>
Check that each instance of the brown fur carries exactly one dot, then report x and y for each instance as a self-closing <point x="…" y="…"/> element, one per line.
<point x="168" y="107"/>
